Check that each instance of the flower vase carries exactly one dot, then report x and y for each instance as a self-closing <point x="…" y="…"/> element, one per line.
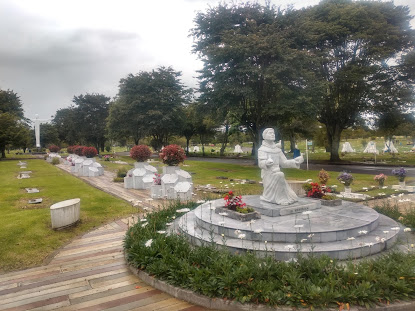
<point x="381" y="183"/>
<point x="139" y="164"/>
<point x="347" y="189"/>
<point x="402" y="184"/>
<point x="156" y="191"/>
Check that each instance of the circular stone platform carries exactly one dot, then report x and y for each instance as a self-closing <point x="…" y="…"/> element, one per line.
<point x="351" y="230"/>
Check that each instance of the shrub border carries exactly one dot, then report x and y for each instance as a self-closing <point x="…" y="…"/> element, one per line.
<point x="221" y="304"/>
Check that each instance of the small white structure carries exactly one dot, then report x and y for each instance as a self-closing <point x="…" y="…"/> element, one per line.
<point x="168" y="181"/>
<point x="99" y="168"/>
<point x="196" y="149"/>
<point x="65" y="213"/>
<point x="238" y="149"/>
<point x="183" y="191"/>
<point x="390" y="147"/>
<point x="93" y="172"/>
<point x="78" y="165"/>
<point x="84" y="170"/>
<point x="371" y="148"/>
<point x="347" y="147"/>
<point x="140" y="177"/>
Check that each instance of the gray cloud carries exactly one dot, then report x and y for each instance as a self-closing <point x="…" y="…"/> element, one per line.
<point x="47" y="66"/>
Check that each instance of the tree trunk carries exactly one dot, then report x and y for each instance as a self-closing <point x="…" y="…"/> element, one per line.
<point x="333" y="135"/>
<point x="187" y="146"/>
<point x="292" y="143"/>
<point x="3" y="152"/>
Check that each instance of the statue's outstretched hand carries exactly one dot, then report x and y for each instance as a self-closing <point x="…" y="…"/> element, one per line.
<point x="299" y="159"/>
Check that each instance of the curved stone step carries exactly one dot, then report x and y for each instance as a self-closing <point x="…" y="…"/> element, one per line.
<point x="362" y="245"/>
<point x="328" y="224"/>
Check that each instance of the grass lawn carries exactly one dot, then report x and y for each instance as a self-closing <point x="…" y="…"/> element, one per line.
<point x="26" y="237"/>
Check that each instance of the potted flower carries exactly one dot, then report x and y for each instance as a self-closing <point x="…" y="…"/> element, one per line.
<point x="381" y="178"/>
<point x="89" y="152"/>
<point x="107" y="157"/>
<point x="346" y="179"/>
<point x="323" y="176"/>
<point x="323" y="193"/>
<point x="172" y="155"/>
<point x="140" y="153"/>
<point x="234" y="208"/>
<point x="400" y="174"/>
<point x="156" y="188"/>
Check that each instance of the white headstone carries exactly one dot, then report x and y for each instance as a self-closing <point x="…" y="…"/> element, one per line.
<point x="237" y="149"/>
<point x="371" y="148"/>
<point x="347" y="147"/>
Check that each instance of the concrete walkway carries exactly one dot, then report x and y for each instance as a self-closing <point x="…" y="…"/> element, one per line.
<point x="90" y="273"/>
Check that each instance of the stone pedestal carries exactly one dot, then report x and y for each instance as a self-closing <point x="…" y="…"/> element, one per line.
<point x="128" y="182"/>
<point x="170" y="169"/>
<point x="347" y="189"/>
<point x="156" y="191"/>
<point x="65" y="213"/>
<point x="183" y="191"/>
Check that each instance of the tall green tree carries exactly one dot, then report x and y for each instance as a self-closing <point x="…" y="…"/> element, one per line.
<point x="357" y="48"/>
<point x="149" y="104"/>
<point x="12" y="121"/>
<point x="66" y="125"/>
<point x="91" y="112"/>
<point x="254" y="65"/>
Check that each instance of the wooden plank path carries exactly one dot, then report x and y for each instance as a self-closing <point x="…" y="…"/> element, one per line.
<point x="90" y="273"/>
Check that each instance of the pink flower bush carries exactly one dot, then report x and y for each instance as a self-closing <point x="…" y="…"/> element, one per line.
<point x="89" y="152"/>
<point x="140" y="153"/>
<point x="78" y="150"/>
<point x="172" y="155"/>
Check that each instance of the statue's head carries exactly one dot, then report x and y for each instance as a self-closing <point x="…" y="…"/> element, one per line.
<point x="268" y="134"/>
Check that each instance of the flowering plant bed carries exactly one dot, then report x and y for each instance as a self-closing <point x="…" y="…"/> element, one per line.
<point x="140" y="153"/>
<point x="224" y="211"/>
<point x="157" y="179"/>
<point x="314" y="190"/>
<point x="172" y="155"/>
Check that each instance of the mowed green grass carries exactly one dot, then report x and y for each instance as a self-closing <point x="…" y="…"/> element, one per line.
<point x="26" y="236"/>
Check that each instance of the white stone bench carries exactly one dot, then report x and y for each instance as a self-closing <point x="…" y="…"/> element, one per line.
<point x="65" y="213"/>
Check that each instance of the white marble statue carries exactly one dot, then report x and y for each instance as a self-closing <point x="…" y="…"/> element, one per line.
<point x="270" y="159"/>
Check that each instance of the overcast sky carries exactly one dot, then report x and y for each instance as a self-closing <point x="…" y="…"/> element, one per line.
<point x="53" y="50"/>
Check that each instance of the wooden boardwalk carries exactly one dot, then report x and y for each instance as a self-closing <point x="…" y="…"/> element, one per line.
<point x="90" y="273"/>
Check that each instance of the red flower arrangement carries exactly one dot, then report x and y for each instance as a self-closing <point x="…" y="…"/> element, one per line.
<point x="172" y="155"/>
<point x="54" y="148"/>
<point x="89" y="152"/>
<point x="233" y="202"/>
<point x="318" y="191"/>
<point x="140" y="153"/>
<point x="78" y="150"/>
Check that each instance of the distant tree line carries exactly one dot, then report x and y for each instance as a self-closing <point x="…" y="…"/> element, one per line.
<point x="313" y="73"/>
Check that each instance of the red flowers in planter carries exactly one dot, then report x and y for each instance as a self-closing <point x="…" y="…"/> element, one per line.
<point x="172" y="155"/>
<point x="78" y="150"/>
<point x="140" y="153"/>
<point x="318" y="191"/>
<point x="89" y="152"/>
<point x="233" y="202"/>
<point x="54" y="148"/>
